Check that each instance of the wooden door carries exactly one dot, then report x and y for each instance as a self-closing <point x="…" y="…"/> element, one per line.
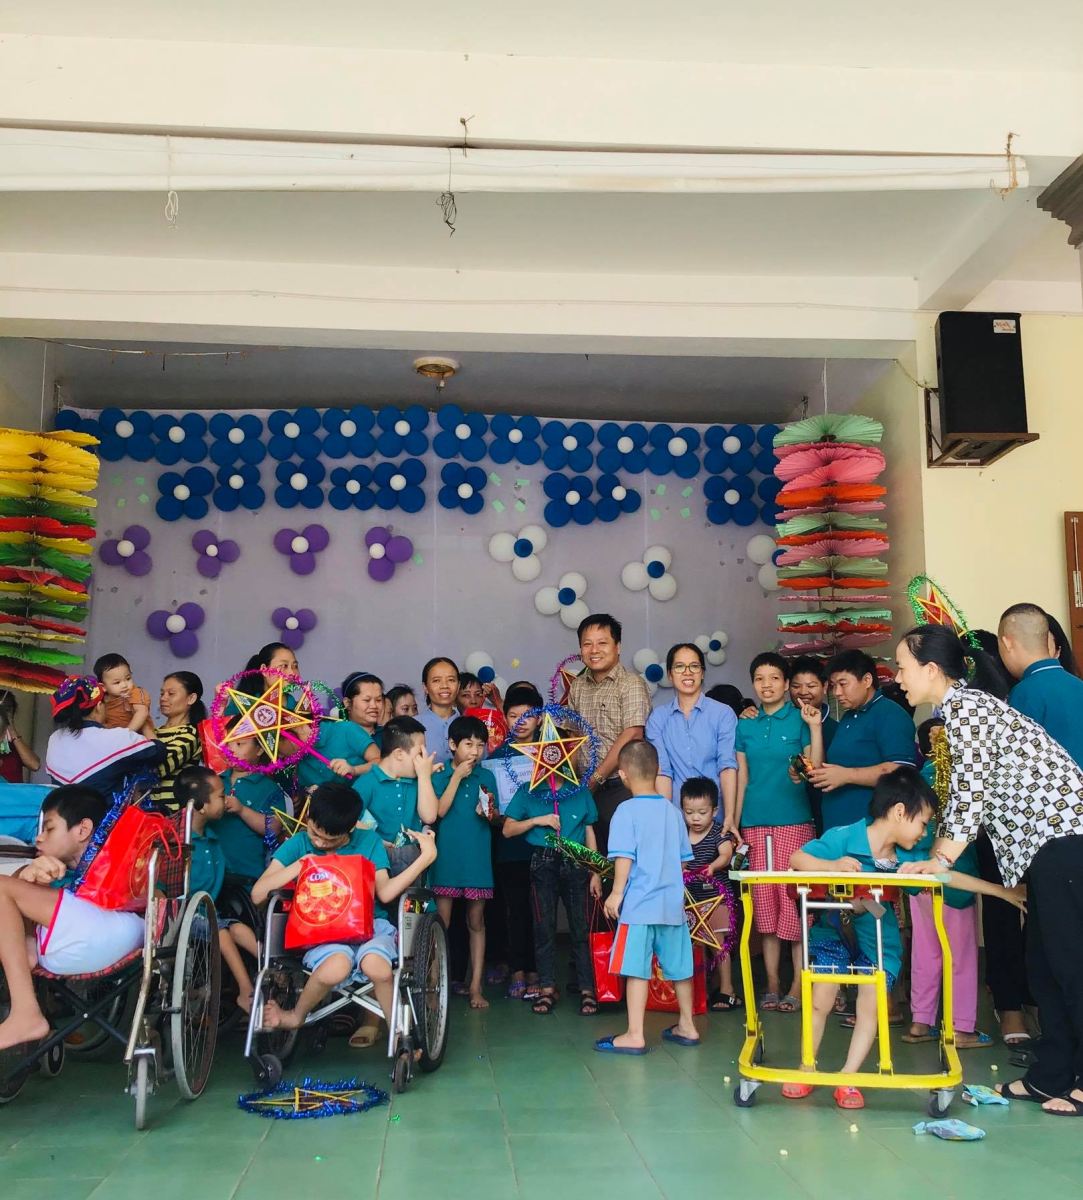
<point x="1073" y="546"/>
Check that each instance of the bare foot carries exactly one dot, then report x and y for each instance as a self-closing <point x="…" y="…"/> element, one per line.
<point x="686" y="1031"/>
<point x="244" y="1001"/>
<point x="477" y="1000"/>
<point x="1013" y="1024"/>
<point x="17" y="1030"/>
<point x="631" y="1043"/>
<point x="280" y="1018"/>
<point x="1070" y="1105"/>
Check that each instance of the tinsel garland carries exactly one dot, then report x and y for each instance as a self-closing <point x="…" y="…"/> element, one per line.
<point x="563" y="718"/>
<point x="220" y="721"/>
<point x="558" y="694"/>
<point x="939" y="601"/>
<point x="310" y="1099"/>
<point x="579" y="854"/>
<point x="940" y="757"/>
<point x="723" y="889"/>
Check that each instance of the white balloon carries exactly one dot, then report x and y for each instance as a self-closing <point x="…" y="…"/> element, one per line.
<point x="501" y="684"/>
<point x="546" y="602"/>
<point x="575" y="581"/>
<point x="634" y="576"/>
<point x="721" y="636"/>
<point x="716" y="658"/>
<point x="731" y="444"/>
<point x="760" y="548"/>
<point x="703" y="642"/>
<point x="731" y="496"/>
<point x="536" y="536"/>
<point x="574" y="614"/>
<point x="664" y="588"/>
<point x="526" y="570"/>
<point x="477" y="659"/>
<point x="677" y="446"/>
<point x="768" y="577"/>
<point x="642" y="659"/>
<point x="175" y="623"/>
<point x="502" y="547"/>
<point x="660" y="554"/>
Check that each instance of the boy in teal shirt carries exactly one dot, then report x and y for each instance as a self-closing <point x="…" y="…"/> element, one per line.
<point x="467" y="797"/>
<point x="250" y="798"/>
<point x="333" y="812"/>
<point x="901" y="807"/>
<point x="397" y="793"/>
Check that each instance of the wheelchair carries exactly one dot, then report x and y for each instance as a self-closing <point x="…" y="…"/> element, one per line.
<point x="171" y="985"/>
<point x="418" y="1028"/>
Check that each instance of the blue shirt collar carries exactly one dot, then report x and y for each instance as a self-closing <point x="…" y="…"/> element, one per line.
<point x="1043" y="664"/>
<point x="676" y="704"/>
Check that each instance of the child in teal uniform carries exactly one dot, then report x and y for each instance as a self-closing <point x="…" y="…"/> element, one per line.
<point x="901" y="807"/>
<point x="249" y="821"/>
<point x="206" y="792"/>
<point x="332" y="828"/>
<point x="397" y="793"/>
<point x="649" y="844"/>
<point x="352" y="744"/>
<point x="533" y="813"/>
<point x="467" y="795"/>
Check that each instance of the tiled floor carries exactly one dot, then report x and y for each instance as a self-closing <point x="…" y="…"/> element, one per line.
<point x="524" y="1108"/>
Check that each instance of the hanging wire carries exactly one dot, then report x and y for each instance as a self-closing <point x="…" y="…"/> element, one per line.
<point x="172" y="200"/>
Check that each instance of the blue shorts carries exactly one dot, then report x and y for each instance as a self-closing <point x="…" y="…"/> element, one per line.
<point x="835" y="954"/>
<point x="384" y="942"/>
<point x="635" y="946"/>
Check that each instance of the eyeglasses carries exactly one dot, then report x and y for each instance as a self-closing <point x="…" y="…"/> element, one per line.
<point x="686" y="668"/>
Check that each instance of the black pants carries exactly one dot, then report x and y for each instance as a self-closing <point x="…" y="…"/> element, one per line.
<point x="607" y="798"/>
<point x="1005" y="941"/>
<point x="553" y="877"/>
<point x="513" y="888"/>
<point x="1055" y="963"/>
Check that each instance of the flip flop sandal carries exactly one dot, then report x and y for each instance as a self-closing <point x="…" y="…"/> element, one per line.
<point x="678" y="1039"/>
<point x="769" y="1002"/>
<point x="796" y="1091"/>
<point x="1016" y="1039"/>
<point x="982" y="1041"/>
<point x="605" y="1046"/>
<point x="723" y="1002"/>
<point x="848" y="1022"/>
<point x="588" y="1005"/>
<point x="919" y="1039"/>
<point x="544" y="1005"/>
<point x="1077" y="1107"/>
<point x="789" y="1004"/>
<point x="363" y="1038"/>
<point x="849" y="1098"/>
<point x="1030" y="1093"/>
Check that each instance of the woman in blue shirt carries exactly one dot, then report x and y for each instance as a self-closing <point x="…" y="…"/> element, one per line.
<point x="773" y="808"/>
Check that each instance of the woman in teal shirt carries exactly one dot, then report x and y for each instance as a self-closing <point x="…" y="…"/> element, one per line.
<point x="352" y="744"/>
<point x="772" y="804"/>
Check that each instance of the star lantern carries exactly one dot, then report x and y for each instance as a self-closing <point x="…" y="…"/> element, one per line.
<point x="266" y="717"/>
<point x="552" y="756"/>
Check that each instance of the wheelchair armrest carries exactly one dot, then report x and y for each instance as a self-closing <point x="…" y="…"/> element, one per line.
<point x="280" y="894"/>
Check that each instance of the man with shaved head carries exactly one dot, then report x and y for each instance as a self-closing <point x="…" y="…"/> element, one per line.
<point x="1046" y="692"/>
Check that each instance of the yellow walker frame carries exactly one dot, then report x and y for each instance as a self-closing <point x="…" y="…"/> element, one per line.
<point x="841" y="891"/>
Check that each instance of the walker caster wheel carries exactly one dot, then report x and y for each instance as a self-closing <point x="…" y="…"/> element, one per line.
<point x="400" y="1074"/>
<point x="268" y="1070"/>
<point x="940" y="1102"/>
<point x="743" y="1098"/>
<point x="758" y="1054"/>
<point x="52" y="1061"/>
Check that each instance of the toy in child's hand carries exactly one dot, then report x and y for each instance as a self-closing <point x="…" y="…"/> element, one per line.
<point x="801" y="766"/>
<point x="579" y="854"/>
<point x="487" y="808"/>
<point x="553" y="753"/>
<point x="282" y="717"/>
<point x="712" y="923"/>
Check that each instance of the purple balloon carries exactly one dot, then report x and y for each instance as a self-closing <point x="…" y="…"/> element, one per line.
<point x="318" y="537"/>
<point x="306" y="618"/>
<point x="156" y="624"/>
<point x="294" y="638"/>
<point x="192" y="613"/>
<point x="377" y="534"/>
<point x="203" y="539"/>
<point x="138" y="535"/>
<point x="184" y="644"/>
<point x="381" y="569"/>
<point x="228" y="551"/>
<point x="284" y="539"/>
<point x="280" y="616"/>
<point x="139" y="563"/>
<point x="110" y="555"/>
<point x="399" y="549"/>
<point x="209" y="568"/>
<point x="303" y="564"/>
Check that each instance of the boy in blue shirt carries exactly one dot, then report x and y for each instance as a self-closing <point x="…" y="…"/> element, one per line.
<point x="902" y="805"/>
<point x="333" y="812"/>
<point x="397" y="793"/>
<point x="649" y="843"/>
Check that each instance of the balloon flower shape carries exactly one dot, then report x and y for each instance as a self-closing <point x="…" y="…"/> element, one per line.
<point x="292" y="626"/>
<point x="565" y="600"/>
<point x="462" y="488"/>
<point x="714" y="646"/>
<point x="237" y="439"/>
<point x="129" y="551"/>
<point x="125" y="435"/>
<point x="652" y="573"/>
<point x="651" y="667"/>
<point x="481" y="664"/>
<point x="179" y="438"/>
<point x="386" y="551"/>
<point x="184" y="495"/>
<point x="302" y="547"/>
<point x="177" y="628"/>
<point x="521" y="550"/>
<point x="213" y="553"/>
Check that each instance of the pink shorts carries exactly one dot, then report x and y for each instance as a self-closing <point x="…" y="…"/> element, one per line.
<point x="463" y="893"/>
<point x="773" y="910"/>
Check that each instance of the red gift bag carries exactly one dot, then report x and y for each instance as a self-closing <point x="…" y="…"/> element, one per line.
<point x="494" y="721"/>
<point x="608" y="988"/>
<point x="117" y="875"/>
<point x="332" y="902"/>
<point x="212" y="752"/>
<point x="662" y="995"/>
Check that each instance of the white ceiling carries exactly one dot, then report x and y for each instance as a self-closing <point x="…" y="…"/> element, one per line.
<point x="591" y="386"/>
<point x="1046" y="35"/>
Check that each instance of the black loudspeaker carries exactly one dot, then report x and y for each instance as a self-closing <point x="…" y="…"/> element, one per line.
<point x="979" y="365"/>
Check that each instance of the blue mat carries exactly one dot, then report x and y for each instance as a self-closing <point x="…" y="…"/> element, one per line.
<point x="20" y="804"/>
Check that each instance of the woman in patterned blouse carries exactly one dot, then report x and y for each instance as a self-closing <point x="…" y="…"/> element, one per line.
<point x="1010" y="776"/>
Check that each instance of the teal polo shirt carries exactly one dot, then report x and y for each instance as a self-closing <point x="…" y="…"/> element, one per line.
<point x="768" y="741"/>
<point x="576" y="813"/>
<point x="244" y="848"/>
<point x="390" y="803"/>
<point x="337" y="739"/>
<point x="1049" y="695"/>
<point x="879" y="731"/>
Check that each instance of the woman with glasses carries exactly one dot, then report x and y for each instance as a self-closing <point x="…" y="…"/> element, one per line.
<point x="694" y="735"/>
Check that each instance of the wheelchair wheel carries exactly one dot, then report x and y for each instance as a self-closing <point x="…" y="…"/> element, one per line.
<point x="268" y="1070"/>
<point x="428" y="989"/>
<point x="400" y="1073"/>
<point x="141" y="1090"/>
<point x="197" y="970"/>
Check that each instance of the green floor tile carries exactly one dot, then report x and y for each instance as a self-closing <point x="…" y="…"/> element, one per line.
<point x="408" y="1183"/>
<point x="31" y="1189"/>
<point x="536" y="1152"/>
<point x="618" y="1181"/>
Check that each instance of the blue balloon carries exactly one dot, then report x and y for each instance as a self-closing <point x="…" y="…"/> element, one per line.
<point x="654" y="673"/>
<point x="656" y="569"/>
<point x="523" y="548"/>
<point x="566" y="596"/>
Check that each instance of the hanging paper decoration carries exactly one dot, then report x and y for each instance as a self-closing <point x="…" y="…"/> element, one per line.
<point x="565" y="600"/>
<point x="386" y="552"/>
<point x="651" y="572"/>
<point x="829" y="556"/>
<point x="521" y="550"/>
<point x="129" y="551"/>
<point x="46" y="529"/>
